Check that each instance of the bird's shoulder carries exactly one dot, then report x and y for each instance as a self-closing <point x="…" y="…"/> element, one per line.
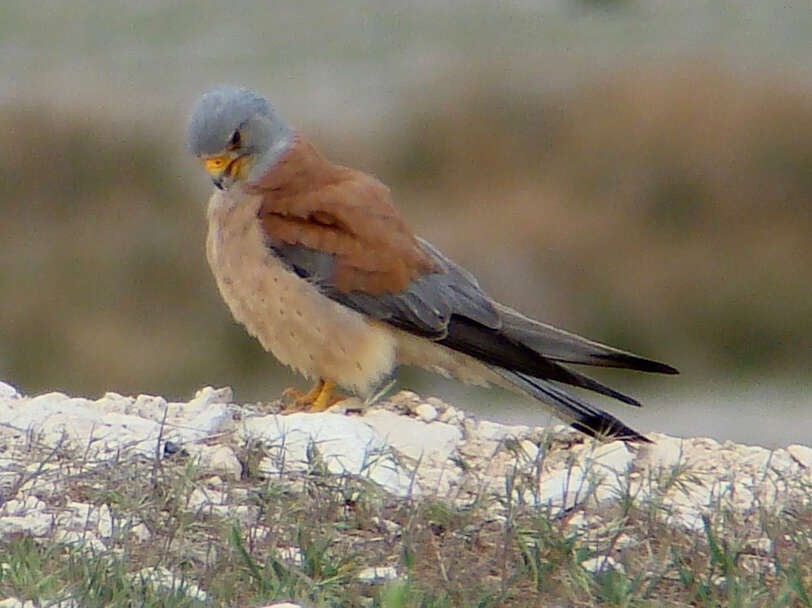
<point x="309" y="202"/>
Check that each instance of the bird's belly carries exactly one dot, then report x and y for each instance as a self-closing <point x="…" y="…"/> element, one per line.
<point x="288" y="315"/>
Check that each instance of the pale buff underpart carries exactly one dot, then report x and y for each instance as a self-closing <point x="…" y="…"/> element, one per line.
<point x="304" y="329"/>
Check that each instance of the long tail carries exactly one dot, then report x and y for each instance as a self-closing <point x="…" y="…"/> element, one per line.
<point x="535" y="350"/>
<point x="566" y="347"/>
<point x="579" y="414"/>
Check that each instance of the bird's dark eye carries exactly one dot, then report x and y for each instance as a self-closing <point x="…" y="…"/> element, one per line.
<point x="235" y="138"/>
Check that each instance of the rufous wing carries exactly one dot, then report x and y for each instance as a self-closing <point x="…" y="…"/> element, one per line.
<point x="310" y="202"/>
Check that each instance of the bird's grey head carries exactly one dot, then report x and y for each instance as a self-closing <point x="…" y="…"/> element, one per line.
<point x="236" y="134"/>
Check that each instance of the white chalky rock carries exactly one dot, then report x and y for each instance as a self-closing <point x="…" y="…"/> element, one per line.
<point x="81" y="422"/>
<point x="372" y="574"/>
<point x="751" y="456"/>
<point x="8" y="392"/>
<point x="207" y="413"/>
<point x="220" y="460"/>
<point x="141" y="532"/>
<point x="198" y="498"/>
<point x="209" y="395"/>
<point x="346" y="405"/>
<point x="709" y="474"/>
<point x="113" y="403"/>
<point x="13" y="602"/>
<point x="33" y="414"/>
<point x="344" y="444"/>
<point x="292" y="555"/>
<point x="212" y="419"/>
<point x="563" y="488"/>
<point x="129" y="433"/>
<point x="84" y="539"/>
<point x="663" y="452"/>
<point x="245" y="514"/>
<point x="426" y="412"/>
<point x="115" y="423"/>
<point x="83" y="516"/>
<point x="35" y="524"/>
<point x="161" y="578"/>
<point x="436" y="402"/>
<point x="802" y="454"/>
<point x="451" y="415"/>
<point x="413" y="438"/>
<point x="596" y="564"/>
<point x="530" y="450"/>
<point x="494" y="431"/>
<point x="22" y="506"/>
<point x="613" y="457"/>
<point x="41" y="480"/>
<point x="688" y="503"/>
<point x="599" y="474"/>
<point x="781" y="460"/>
<point x="577" y="520"/>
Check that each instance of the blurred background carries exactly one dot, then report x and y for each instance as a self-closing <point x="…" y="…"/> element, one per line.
<point x="639" y="172"/>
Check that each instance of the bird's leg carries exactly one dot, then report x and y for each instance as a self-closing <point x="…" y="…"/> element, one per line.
<point x="325" y="398"/>
<point x="317" y="399"/>
<point x="294" y="397"/>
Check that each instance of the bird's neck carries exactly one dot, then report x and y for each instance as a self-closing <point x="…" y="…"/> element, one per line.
<point x="296" y="168"/>
<point x="282" y="138"/>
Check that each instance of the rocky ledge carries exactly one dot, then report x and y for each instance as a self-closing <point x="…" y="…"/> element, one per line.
<point x="409" y="446"/>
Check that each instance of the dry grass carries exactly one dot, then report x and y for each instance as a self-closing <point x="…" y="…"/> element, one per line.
<point x="306" y="536"/>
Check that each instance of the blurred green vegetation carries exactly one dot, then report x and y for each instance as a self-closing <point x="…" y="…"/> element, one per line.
<point x="665" y="212"/>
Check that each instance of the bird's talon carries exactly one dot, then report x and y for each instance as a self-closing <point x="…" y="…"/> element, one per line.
<point x="317" y="399"/>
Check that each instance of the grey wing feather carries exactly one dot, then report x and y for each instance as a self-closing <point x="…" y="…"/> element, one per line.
<point x="425" y="307"/>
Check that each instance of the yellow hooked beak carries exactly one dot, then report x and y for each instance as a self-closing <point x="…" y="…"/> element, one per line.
<point x="225" y="168"/>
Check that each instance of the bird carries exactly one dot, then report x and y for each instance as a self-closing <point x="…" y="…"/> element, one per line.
<point x="314" y="259"/>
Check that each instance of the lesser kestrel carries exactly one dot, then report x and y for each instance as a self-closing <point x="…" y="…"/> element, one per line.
<point x="315" y="261"/>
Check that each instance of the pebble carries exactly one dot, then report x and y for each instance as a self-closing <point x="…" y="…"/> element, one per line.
<point x="221" y="460"/>
<point x="426" y="412"/>
<point x="597" y="564"/>
<point x="451" y="415"/>
<point x="377" y="573"/>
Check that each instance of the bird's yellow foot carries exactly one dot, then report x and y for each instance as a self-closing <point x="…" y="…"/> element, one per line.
<point x="317" y="399"/>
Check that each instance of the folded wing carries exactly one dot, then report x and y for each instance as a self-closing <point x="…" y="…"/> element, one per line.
<point x="337" y="228"/>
